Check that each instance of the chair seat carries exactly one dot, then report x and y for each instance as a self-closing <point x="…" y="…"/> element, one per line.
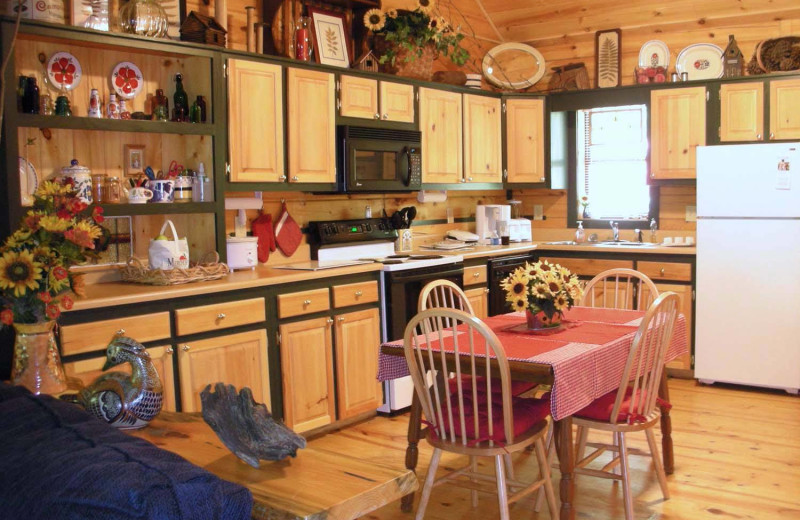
<point x="527" y="413"/>
<point x="600" y="409"/>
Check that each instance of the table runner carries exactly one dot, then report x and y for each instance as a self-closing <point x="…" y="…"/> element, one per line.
<point x="587" y="357"/>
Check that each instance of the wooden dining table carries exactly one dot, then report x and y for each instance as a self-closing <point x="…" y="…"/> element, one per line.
<point x="582" y="360"/>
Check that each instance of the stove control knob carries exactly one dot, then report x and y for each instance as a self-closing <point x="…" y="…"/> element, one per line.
<point x="369" y="228"/>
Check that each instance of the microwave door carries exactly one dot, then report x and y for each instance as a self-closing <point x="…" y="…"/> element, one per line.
<point x="374" y="166"/>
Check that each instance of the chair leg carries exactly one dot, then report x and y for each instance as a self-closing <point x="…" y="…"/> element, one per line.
<point x="551" y="455"/>
<point x="662" y="477"/>
<point x="426" y="489"/>
<point x="626" y="481"/>
<point x="473" y="466"/>
<point x="615" y="470"/>
<point x="509" y="466"/>
<point x="580" y="448"/>
<point x="544" y="473"/>
<point x="502" y="490"/>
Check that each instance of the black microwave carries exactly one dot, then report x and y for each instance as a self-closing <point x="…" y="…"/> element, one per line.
<point x="378" y="159"/>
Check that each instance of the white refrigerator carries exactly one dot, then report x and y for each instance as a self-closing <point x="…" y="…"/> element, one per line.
<point x="747" y="308"/>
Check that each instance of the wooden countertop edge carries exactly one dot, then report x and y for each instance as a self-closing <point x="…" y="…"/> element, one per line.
<point x="647" y="250"/>
<point x="123" y="293"/>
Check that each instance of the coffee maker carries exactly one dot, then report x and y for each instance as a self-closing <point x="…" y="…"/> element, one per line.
<point x="486" y="218"/>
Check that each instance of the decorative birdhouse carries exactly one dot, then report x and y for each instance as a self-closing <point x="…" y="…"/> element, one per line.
<point x="367" y="61"/>
<point x="199" y="28"/>
<point x="733" y="59"/>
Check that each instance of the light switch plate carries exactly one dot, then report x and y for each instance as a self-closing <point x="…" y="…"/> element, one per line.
<point x="691" y="213"/>
<point x="538" y="212"/>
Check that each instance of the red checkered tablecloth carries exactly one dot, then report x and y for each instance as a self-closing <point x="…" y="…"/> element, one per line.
<point x="587" y="357"/>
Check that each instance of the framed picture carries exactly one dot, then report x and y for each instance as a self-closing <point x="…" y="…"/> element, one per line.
<point x="134" y="159"/>
<point x="607" y="54"/>
<point x="331" y="38"/>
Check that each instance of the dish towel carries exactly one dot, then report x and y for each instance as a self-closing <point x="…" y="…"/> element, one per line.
<point x="287" y="233"/>
<point x="262" y="228"/>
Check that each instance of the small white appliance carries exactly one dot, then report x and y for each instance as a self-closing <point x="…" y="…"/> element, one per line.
<point x="519" y="230"/>
<point x="748" y="284"/>
<point x="242" y="252"/>
<point x="486" y="217"/>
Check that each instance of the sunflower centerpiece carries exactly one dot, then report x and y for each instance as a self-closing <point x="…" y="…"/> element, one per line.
<point x="543" y="291"/>
<point x="36" y="283"/>
<point x="403" y="36"/>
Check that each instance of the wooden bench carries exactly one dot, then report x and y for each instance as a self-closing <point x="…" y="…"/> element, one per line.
<point x="315" y="484"/>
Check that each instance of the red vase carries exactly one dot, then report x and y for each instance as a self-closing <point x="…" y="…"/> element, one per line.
<point x="540" y="320"/>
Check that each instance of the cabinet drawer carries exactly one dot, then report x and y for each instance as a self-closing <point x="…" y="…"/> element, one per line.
<point x="475" y="275"/>
<point x="85" y="337"/>
<point x="305" y="302"/>
<point x="355" y="293"/>
<point x="666" y="270"/>
<point x="588" y="266"/>
<point x="219" y="316"/>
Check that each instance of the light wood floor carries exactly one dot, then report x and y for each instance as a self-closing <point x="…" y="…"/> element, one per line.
<point x="737" y="456"/>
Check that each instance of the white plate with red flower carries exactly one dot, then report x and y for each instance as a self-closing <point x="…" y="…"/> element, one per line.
<point x="64" y="71"/>
<point x="126" y="79"/>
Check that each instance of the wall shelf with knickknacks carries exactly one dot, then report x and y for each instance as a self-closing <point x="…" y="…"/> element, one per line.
<point x="128" y="67"/>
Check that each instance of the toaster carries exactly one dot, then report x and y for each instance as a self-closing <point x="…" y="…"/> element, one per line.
<point x="242" y="252"/>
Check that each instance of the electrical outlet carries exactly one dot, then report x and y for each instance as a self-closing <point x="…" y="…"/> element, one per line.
<point x="538" y="212"/>
<point x="691" y="213"/>
<point x="450" y="218"/>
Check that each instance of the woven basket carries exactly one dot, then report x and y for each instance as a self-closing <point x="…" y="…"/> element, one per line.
<point x="208" y="268"/>
<point x="417" y="67"/>
<point x="775" y="55"/>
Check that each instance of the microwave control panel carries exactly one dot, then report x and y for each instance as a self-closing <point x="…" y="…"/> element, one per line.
<point x="415" y="168"/>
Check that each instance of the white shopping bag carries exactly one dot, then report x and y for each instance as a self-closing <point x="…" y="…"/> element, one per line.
<point x="169" y="254"/>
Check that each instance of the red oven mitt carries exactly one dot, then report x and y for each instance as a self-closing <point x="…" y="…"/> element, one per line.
<point x="287" y="233"/>
<point x="262" y="228"/>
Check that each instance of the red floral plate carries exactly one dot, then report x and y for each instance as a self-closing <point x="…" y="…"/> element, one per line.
<point x="126" y="79"/>
<point x="64" y="71"/>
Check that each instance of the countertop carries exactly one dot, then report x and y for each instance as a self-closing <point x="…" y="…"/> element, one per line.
<point x="523" y="247"/>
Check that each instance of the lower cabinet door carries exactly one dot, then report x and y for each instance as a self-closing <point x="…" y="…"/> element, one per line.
<point x="357" y="345"/>
<point x="479" y="299"/>
<point x="235" y="359"/>
<point x="307" y="373"/>
<point x="88" y="370"/>
<point x="685" y="307"/>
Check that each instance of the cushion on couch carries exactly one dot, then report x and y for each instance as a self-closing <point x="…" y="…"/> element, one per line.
<point x="56" y="461"/>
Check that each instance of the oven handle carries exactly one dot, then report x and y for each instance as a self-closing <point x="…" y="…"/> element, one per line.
<point x="415" y="277"/>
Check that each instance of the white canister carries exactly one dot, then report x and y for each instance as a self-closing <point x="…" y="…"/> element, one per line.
<point x="82" y="178"/>
<point x="44" y="10"/>
<point x="242" y="252"/>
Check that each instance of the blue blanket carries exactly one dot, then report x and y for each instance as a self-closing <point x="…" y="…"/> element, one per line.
<point x="56" y="461"/>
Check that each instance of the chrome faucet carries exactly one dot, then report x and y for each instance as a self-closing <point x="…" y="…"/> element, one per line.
<point x="638" y="233"/>
<point x="653" y="227"/>
<point x="615" y="229"/>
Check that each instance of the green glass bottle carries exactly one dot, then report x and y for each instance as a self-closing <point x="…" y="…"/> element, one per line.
<point x="181" y="99"/>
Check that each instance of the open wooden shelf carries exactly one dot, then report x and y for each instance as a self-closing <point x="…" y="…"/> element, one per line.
<point x="116" y="210"/>
<point x="113" y="125"/>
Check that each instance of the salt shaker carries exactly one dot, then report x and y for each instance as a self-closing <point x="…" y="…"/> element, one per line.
<point x="94" y="104"/>
<point x="113" y="107"/>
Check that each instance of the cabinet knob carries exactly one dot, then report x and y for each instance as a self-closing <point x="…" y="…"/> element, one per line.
<point x="486" y="290"/>
<point x="541" y="179"/>
<point x="476" y="275"/>
<point x="341" y="318"/>
<point x="120" y="332"/>
<point x="463" y="179"/>
<point x="377" y="115"/>
<point x="306" y="302"/>
<point x="771" y="135"/>
<point x="185" y="348"/>
<point x="662" y="271"/>
<point x="169" y="350"/>
<point x="358" y="293"/>
<point x="221" y="316"/>
<point x="759" y="137"/>
<point x="282" y="178"/>
<point x="294" y="178"/>
<point x="385" y="116"/>
<point x="469" y="179"/>
<point x="329" y="321"/>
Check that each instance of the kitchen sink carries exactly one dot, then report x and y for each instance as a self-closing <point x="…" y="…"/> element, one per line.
<point x="621" y="243"/>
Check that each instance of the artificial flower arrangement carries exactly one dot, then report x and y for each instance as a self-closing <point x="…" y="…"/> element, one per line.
<point x="58" y="232"/>
<point x="545" y="290"/>
<point x="408" y="33"/>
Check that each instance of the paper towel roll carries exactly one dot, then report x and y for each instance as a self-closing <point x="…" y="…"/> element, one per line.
<point x="432" y="196"/>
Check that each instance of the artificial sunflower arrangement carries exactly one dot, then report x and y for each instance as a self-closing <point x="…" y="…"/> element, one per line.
<point x="543" y="288"/>
<point x="407" y="33"/>
<point x="58" y="232"/>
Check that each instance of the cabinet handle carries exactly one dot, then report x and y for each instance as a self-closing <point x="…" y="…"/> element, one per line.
<point x="169" y="350"/>
<point x="662" y="271"/>
<point x="486" y="291"/>
<point x="221" y="316"/>
<point x="294" y="178"/>
<point x="282" y="178"/>
<point x="771" y="135"/>
<point x="341" y="318"/>
<point x="306" y="302"/>
<point x="377" y="115"/>
<point x="385" y="116"/>
<point x="329" y="321"/>
<point x="185" y="348"/>
<point x="476" y="275"/>
<point x="120" y="332"/>
<point x="358" y="293"/>
<point x="759" y="137"/>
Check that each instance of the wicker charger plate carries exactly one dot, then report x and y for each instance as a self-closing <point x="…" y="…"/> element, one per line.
<point x="208" y="268"/>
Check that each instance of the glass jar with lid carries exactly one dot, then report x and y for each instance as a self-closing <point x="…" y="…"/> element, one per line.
<point x="112" y="191"/>
<point x="98" y="187"/>
<point x="516" y="208"/>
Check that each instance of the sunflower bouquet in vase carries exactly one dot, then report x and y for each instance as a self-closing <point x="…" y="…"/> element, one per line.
<point x="35" y="281"/>
<point x="543" y="291"/>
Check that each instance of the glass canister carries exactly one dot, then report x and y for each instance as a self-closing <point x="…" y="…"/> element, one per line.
<point x="98" y="184"/>
<point x="112" y="191"/>
<point x="144" y="17"/>
<point x="82" y="179"/>
<point x="516" y="208"/>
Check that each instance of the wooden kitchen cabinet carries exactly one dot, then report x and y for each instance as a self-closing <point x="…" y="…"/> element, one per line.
<point x="367" y="98"/>
<point x="442" y="145"/>
<point x="588" y="267"/>
<point x="255" y="137"/>
<point x="483" y="143"/>
<point x="87" y="370"/>
<point x="95" y="335"/>
<point x="311" y="114"/>
<point x="234" y="359"/>
<point x="677" y="128"/>
<point x="741" y="116"/>
<point x="685" y="306"/>
<point x="784" y="109"/>
<point x="479" y="299"/>
<point x="525" y="141"/>
<point x="307" y="373"/>
<point x="357" y="347"/>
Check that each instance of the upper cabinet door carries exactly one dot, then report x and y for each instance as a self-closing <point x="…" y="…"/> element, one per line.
<point x="255" y="136"/>
<point x="784" y="109"/>
<point x="397" y="102"/>
<point x="312" y="126"/>
<point x="741" y="116"/>
<point x="483" y="140"/>
<point x="525" y="140"/>
<point x="677" y="128"/>
<point x="442" y="147"/>
<point x="359" y="97"/>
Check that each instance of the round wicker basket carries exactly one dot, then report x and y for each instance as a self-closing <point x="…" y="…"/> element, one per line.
<point x="407" y="64"/>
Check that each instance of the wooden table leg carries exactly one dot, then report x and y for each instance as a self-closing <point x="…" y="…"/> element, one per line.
<point x="412" y="453"/>
<point x="562" y="433"/>
<point x="666" y="427"/>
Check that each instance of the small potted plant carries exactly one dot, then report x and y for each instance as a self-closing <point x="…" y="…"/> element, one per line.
<point x="543" y="291"/>
<point x="407" y="42"/>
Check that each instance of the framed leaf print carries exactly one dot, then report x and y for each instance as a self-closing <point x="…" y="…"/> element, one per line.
<point x="331" y="38"/>
<point x="607" y="57"/>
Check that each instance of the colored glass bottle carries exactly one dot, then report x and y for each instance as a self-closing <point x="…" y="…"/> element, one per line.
<point x="62" y="106"/>
<point x="161" y="106"/>
<point x="30" y="99"/>
<point x="180" y="99"/>
<point x="201" y="102"/>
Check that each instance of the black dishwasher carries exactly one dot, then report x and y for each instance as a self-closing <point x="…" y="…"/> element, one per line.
<point x="499" y="269"/>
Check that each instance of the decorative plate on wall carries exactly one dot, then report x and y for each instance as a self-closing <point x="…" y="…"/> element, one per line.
<point x="126" y="79"/>
<point x="701" y="61"/>
<point x="28" y="181"/>
<point x="64" y="71"/>
<point x="654" y="53"/>
<point x="513" y="66"/>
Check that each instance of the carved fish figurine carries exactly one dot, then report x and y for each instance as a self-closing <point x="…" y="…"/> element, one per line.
<point x="122" y="400"/>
